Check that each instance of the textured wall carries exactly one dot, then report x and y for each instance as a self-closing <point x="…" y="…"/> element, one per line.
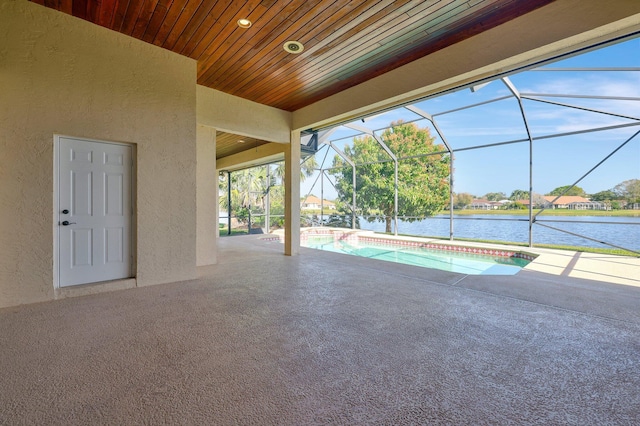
<point x="207" y="196"/>
<point x="242" y="117"/>
<point x="62" y="75"/>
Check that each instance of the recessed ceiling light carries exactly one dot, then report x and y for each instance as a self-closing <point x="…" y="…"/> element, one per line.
<point x="244" y="23"/>
<point x="294" y="47"/>
<point x="240" y="141"/>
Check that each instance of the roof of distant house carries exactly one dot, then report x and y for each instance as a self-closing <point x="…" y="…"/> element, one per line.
<point x="566" y="199"/>
<point x="312" y="199"/>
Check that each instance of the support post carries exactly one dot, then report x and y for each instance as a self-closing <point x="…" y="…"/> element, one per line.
<point x="228" y="203"/>
<point x="321" y="197"/>
<point x="292" y="196"/>
<point x="267" y="202"/>
<point x="395" y="196"/>
<point x="353" y="196"/>
<point x="451" y="195"/>
<point x="207" y="211"/>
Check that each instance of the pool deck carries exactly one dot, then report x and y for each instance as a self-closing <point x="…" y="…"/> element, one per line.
<point x="324" y="338"/>
<point x="606" y="268"/>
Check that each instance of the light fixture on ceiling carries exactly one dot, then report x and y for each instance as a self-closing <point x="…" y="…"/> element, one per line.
<point x="292" y="46"/>
<point x="244" y="23"/>
<point x="240" y="141"/>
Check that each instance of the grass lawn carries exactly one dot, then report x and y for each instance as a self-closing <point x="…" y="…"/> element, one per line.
<point x="223" y="232"/>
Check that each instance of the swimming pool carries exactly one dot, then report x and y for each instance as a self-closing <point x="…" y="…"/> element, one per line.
<point x="453" y="258"/>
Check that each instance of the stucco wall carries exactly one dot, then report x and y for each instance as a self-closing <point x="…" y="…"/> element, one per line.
<point x="207" y="196"/>
<point x="236" y="115"/>
<point x="62" y="75"/>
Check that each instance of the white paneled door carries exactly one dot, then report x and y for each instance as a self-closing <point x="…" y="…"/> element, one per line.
<point x="94" y="211"/>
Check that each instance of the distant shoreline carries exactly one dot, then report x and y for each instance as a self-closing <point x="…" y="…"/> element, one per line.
<point x="525" y="212"/>
<point x="550" y="212"/>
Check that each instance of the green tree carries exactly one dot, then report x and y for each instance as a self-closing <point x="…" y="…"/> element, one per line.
<point x="423" y="184"/>
<point x="495" y="196"/>
<point x="307" y="167"/>
<point x="575" y="190"/>
<point x="629" y="190"/>
<point x="607" y="195"/>
<point x="519" y="194"/>
<point x="249" y="188"/>
<point x="462" y="200"/>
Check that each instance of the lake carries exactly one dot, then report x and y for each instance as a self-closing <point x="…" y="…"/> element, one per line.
<point x="515" y="228"/>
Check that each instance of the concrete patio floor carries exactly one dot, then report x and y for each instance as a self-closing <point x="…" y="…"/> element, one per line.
<point x="322" y="338"/>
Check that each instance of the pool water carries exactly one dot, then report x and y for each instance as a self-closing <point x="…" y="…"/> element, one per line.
<point x="464" y="263"/>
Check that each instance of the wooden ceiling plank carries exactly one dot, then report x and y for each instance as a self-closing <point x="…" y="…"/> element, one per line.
<point x="363" y="28"/>
<point x="276" y="24"/>
<point x="142" y="23"/>
<point x="389" y="25"/>
<point x="330" y="82"/>
<point x="386" y="38"/>
<point x="119" y="14"/>
<point x="253" y="59"/>
<point x="369" y="50"/>
<point x="270" y="63"/>
<point x="226" y="24"/>
<point x="283" y="63"/>
<point x="80" y="9"/>
<point x="478" y="9"/>
<point x="297" y="18"/>
<point x="66" y="6"/>
<point x="354" y="10"/>
<point x="217" y="66"/>
<point x="131" y="14"/>
<point x="105" y="15"/>
<point x="339" y="36"/>
<point x="233" y="48"/>
<point x="343" y="74"/>
<point x="182" y="24"/>
<point x="470" y="29"/>
<point x="177" y="7"/>
<point x="302" y="78"/>
<point x="93" y="10"/>
<point x="158" y="17"/>
<point x="204" y="25"/>
<point x="363" y="45"/>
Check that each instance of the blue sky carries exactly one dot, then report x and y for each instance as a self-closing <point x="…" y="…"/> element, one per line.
<point x="557" y="161"/>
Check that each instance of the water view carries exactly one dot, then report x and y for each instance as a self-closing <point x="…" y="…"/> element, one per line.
<point x="621" y="231"/>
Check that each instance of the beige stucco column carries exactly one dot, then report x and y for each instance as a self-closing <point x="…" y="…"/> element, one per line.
<point x="292" y="196"/>
<point x="206" y="197"/>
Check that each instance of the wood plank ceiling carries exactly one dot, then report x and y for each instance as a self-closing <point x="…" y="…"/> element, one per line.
<point x="346" y="42"/>
<point x="229" y="144"/>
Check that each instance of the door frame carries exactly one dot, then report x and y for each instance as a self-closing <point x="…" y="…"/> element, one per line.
<point x="56" y="205"/>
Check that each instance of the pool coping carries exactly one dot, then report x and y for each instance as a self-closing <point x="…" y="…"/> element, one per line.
<point x="416" y="242"/>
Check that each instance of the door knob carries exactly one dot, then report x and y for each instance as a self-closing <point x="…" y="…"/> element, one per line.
<point x="65" y="211"/>
<point x="67" y="223"/>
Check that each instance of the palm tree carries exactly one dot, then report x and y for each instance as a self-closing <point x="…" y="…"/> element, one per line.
<point x="250" y="187"/>
<point x="307" y="168"/>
